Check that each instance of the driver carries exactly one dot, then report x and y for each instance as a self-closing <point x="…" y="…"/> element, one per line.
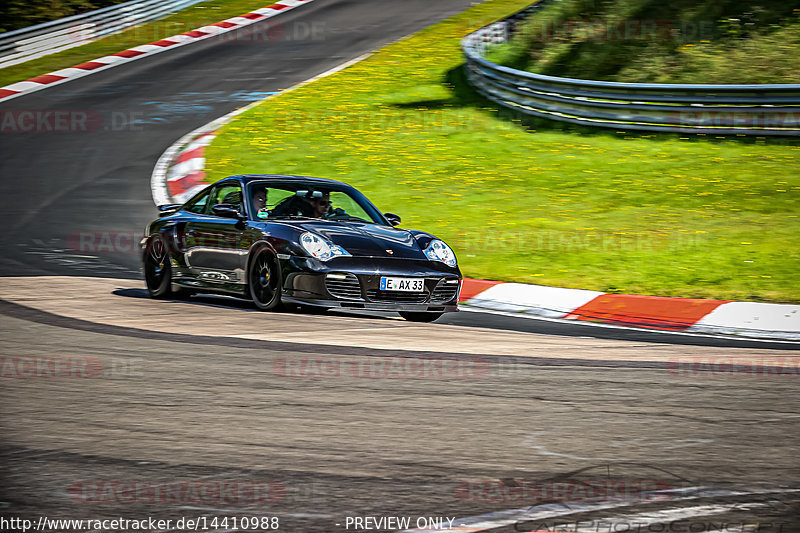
<point x="260" y="199"/>
<point x="260" y="203"/>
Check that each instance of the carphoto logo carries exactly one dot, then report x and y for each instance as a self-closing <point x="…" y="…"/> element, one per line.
<point x="335" y="366"/>
<point x="722" y="367"/>
<point x="535" y="492"/>
<point x="68" y="121"/>
<point x="194" y="492"/>
<point x="51" y="366"/>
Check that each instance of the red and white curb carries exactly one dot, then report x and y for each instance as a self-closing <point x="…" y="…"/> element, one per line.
<point x="145" y="50"/>
<point x="748" y="319"/>
<point x="180" y="171"/>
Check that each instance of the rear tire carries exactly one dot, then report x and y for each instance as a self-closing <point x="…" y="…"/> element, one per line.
<point x="421" y="316"/>
<point x="157" y="268"/>
<point x="264" y="280"/>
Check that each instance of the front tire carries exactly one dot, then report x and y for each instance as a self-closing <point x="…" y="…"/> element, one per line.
<point x="264" y="280"/>
<point x="157" y="268"/>
<point x="421" y="316"/>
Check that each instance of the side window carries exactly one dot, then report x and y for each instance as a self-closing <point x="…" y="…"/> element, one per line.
<point x="228" y="194"/>
<point x="198" y="205"/>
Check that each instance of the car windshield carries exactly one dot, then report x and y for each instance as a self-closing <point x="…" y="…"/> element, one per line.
<point x="297" y="199"/>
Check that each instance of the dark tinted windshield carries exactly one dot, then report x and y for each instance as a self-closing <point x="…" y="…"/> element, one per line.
<point x="270" y="200"/>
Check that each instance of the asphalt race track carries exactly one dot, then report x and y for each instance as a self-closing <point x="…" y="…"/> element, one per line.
<point x="208" y="409"/>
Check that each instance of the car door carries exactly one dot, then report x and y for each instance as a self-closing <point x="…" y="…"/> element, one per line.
<point x="215" y="251"/>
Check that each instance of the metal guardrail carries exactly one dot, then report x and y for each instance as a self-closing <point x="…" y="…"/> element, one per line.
<point x="29" y="43"/>
<point x="684" y="108"/>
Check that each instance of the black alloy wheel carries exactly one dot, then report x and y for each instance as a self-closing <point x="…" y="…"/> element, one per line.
<point x="264" y="281"/>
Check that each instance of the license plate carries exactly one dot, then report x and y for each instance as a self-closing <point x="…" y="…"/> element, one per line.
<point x="403" y="284"/>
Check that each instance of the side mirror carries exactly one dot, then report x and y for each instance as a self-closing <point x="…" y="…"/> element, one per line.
<point x="393" y="219"/>
<point x="168" y="209"/>
<point x="227" y="211"/>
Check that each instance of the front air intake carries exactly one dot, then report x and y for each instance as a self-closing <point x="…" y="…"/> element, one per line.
<point x="444" y="291"/>
<point x="343" y="286"/>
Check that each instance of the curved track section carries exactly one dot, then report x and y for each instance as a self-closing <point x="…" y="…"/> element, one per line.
<point x="118" y="405"/>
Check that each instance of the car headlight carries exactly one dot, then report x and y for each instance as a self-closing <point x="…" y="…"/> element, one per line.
<point x="320" y="248"/>
<point x="439" y="251"/>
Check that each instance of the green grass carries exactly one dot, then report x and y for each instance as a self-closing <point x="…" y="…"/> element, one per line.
<point x="182" y="21"/>
<point x="652" y="41"/>
<point x="704" y="217"/>
<point x="17" y="14"/>
<point x="769" y="57"/>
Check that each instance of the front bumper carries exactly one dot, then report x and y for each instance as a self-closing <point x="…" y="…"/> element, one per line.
<point x="354" y="283"/>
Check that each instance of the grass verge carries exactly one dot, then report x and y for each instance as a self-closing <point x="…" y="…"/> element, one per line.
<point x="707" y="218"/>
<point x="652" y="41"/>
<point x="179" y="22"/>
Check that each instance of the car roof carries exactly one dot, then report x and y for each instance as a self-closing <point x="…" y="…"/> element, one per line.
<point x="247" y="178"/>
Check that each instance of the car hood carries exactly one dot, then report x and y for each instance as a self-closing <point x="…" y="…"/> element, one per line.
<point x="370" y="240"/>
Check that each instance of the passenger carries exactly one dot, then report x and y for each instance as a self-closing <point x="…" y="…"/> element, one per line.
<point x="311" y="204"/>
<point x="321" y="205"/>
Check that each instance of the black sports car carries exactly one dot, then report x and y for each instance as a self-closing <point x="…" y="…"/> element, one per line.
<point x="292" y="239"/>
